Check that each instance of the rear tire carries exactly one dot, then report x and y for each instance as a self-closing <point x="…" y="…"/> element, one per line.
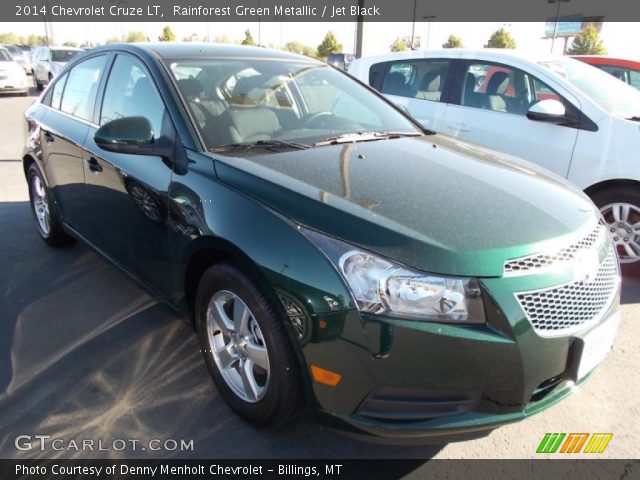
<point x="247" y="348"/>
<point x="44" y="212"/>
<point x="620" y="207"/>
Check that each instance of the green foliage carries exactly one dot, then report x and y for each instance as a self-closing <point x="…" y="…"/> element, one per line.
<point x="398" y="45"/>
<point x="248" y="38"/>
<point x="133" y="37"/>
<point x="32" y="40"/>
<point x="329" y="45"/>
<point x="70" y="43"/>
<point x="167" y="35"/>
<point x="298" y="47"/>
<point x="111" y="40"/>
<point x="453" y="42"/>
<point x="10" y="38"/>
<point x="588" y="42"/>
<point x="501" y="39"/>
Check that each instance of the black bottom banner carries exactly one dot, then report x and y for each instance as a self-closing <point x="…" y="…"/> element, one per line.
<point x="326" y="469"/>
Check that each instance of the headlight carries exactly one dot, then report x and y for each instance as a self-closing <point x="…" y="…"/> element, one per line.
<point x="381" y="286"/>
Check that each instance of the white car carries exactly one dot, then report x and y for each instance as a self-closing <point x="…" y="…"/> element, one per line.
<point x="47" y="62"/>
<point x="556" y="112"/>
<point x="12" y="76"/>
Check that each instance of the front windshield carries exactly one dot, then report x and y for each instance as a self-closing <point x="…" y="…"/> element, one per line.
<point x="614" y="96"/>
<point x="63" y="56"/>
<point x="5" y="56"/>
<point x="250" y="100"/>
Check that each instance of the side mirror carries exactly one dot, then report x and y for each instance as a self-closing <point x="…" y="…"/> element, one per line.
<point x="133" y="135"/>
<point x="550" y="110"/>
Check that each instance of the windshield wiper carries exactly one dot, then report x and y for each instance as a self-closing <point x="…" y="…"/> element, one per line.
<point x="634" y="118"/>
<point x="274" y="145"/>
<point x="364" y="137"/>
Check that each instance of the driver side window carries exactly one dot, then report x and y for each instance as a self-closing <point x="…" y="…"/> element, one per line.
<point x="131" y="93"/>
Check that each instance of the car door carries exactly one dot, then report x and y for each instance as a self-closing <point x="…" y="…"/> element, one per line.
<point x="490" y="109"/>
<point x="63" y="130"/>
<point x="42" y="64"/>
<point x="419" y="85"/>
<point x="128" y="193"/>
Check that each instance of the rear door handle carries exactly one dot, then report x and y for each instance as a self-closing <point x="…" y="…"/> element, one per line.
<point x="48" y="137"/>
<point x="459" y="127"/>
<point x="94" y="165"/>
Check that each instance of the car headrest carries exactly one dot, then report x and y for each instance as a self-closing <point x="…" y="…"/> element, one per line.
<point x="190" y="87"/>
<point x="498" y="83"/>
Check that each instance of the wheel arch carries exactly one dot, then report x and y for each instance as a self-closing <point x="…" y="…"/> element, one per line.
<point x="208" y="251"/>
<point x="612" y="183"/>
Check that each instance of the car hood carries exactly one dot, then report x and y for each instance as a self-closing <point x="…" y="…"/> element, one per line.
<point x="432" y="202"/>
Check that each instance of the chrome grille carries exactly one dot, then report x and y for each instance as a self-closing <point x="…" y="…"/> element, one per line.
<point x="535" y="263"/>
<point x="559" y="310"/>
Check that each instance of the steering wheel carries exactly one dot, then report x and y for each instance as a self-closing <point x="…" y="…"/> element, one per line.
<point x="317" y="120"/>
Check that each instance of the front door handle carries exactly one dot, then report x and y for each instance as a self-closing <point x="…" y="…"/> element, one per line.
<point x="94" y="165"/>
<point x="48" y="137"/>
<point x="458" y="127"/>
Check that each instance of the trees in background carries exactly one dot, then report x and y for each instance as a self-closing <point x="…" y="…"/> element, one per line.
<point x="329" y="45"/>
<point x="501" y="38"/>
<point x="453" y="42"/>
<point x="32" y="40"/>
<point x="133" y="37"/>
<point x="398" y="45"/>
<point x="167" y="35"/>
<point x="248" y="38"/>
<point x="587" y="42"/>
<point x="301" y="48"/>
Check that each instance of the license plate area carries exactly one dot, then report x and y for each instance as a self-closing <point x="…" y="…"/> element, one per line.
<point x="595" y="345"/>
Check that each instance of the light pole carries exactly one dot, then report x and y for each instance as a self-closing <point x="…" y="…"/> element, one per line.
<point x="413" y="23"/>
<point x="555" y="25"/>
<point x="428" y="17"/>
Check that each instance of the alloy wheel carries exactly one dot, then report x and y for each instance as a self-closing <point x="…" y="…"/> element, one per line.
<point x="623" y="223"/>
<point x="238" y="346"/>
<point x="40" y="205"/>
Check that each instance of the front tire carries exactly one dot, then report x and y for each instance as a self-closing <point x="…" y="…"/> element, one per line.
<point x="247" y="348"/>
<point x="47" y="220"/>
<point x="620" y="208"/>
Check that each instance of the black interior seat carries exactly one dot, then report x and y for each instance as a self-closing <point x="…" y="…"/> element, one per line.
<point x="430" y="86"/>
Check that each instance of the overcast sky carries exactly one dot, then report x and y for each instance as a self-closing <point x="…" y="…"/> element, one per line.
<point x="378" y="36"/>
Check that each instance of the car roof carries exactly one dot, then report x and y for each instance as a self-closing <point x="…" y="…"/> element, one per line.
<point x="463" y="53"/>
<point x="64" y="47"/>
<point x="175" y="50"/>
<point x="610" y="60"/>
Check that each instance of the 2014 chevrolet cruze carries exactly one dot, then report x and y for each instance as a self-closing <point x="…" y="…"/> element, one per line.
<point x="331" y="252"/>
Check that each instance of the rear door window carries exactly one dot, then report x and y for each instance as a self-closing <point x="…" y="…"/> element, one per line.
<point x="423" y="79"/>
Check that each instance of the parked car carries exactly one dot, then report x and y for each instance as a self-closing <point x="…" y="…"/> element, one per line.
<point x="555" y="112"/>
<point x="48" y="61"/>
<point x="329" y="250"/>
<point x="626" y="70"/>
<point x="20" y="56"/>
<point x="341" y="60"/>
<point x="12" y="76"/>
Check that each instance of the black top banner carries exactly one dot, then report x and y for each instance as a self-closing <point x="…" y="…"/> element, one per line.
<point x="314" y="11"/>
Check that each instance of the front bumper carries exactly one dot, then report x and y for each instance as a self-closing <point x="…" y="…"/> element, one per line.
<point x="407" y="379"/>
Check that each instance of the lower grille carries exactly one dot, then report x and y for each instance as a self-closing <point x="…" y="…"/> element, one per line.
<point x="560" y="310"/>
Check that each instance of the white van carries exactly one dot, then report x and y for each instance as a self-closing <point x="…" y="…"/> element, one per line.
<point x="556" y="112"/>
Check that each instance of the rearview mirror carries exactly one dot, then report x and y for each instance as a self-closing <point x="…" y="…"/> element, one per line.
<point x="549" y="110"/>
<point x="126" y="135"/>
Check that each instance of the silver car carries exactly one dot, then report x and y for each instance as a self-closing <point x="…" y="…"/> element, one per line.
<point x="49" y="61"/>
<point x="20" y="56"/>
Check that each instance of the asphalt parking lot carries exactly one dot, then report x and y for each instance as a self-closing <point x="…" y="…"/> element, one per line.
<point x="85" y="354"/>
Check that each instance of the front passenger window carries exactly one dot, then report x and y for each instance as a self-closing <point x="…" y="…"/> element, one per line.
<point x="131" y="93"/>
